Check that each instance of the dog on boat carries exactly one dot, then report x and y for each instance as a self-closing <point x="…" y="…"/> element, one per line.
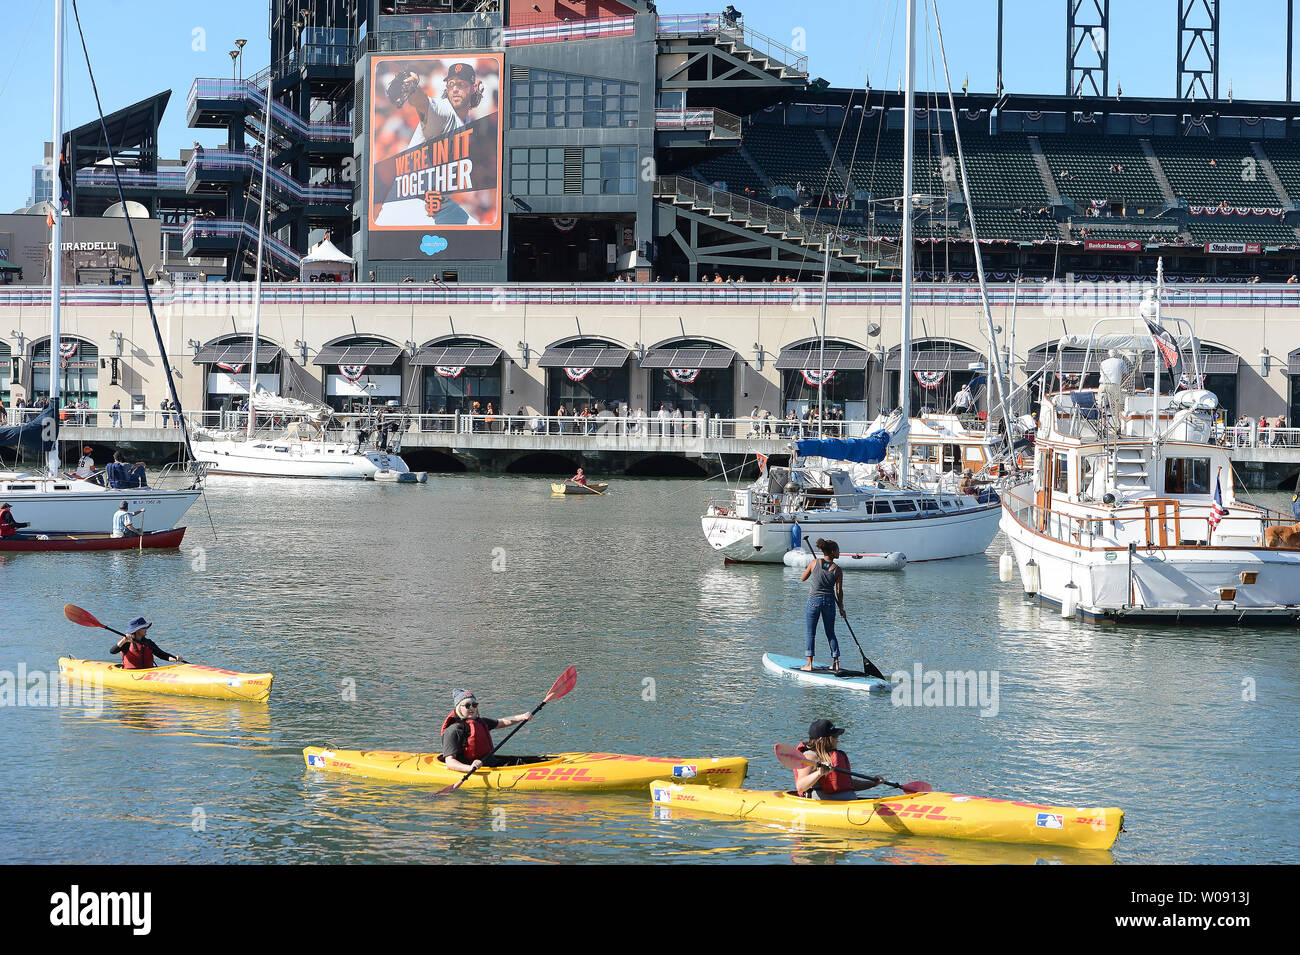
<point x="1284" y="535"/>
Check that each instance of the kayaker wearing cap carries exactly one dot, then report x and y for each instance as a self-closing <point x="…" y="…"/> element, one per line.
<point x="827" y="593"/>
<point x="8" y="526"/>
<point x="467" y="737"/>
<point x="816" y="782"/>
<point x="137" y="650"/>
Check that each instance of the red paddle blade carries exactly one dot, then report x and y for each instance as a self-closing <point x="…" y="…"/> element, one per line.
<point x="789" y="756"/>
<point x="83" y="617"/>
<point x="564" y="685"/>
<point x="917" y="787"/>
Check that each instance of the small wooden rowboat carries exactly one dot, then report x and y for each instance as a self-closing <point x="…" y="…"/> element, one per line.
<point x="151" y="540"/>
<point x="569" y="487"/>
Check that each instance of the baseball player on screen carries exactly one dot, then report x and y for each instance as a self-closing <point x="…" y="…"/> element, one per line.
<point x="462" y="92"/>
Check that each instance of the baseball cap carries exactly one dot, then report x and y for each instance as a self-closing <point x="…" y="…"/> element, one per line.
<point x="461" y="71"/>
<point x="819" y="728"/>
<point x="5" y="506"/>
<point x="139" y="623"/>
<point x="86" y="449"/>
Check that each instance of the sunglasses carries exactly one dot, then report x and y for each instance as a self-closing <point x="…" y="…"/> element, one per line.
<point x="468" y="705"/>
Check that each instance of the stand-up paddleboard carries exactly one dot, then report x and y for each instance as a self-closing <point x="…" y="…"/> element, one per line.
<point x="896" y="560"/>
<point x="846" y="679"/>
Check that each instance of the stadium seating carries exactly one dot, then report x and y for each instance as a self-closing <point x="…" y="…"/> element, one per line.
<point x="1284" y="155"/>
<point x="1015" y="226"/>
<point x="1002" y="170"/>
<point x="1102" y="167"/>
<point x="791" y="155"/>
<point x="1219" y="229"/>
<point x="1210" y="171"/>
<point x="731" y="170"/>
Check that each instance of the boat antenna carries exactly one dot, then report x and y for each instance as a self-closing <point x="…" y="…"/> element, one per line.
<point x="257" y="279"/>
<point x="909" y="132"/>
<point x="56" y="237"/>
<point x="135" y="245"/>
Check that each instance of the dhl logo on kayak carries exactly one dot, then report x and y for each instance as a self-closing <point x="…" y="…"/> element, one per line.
<point x="562" y="774"/>
<point x="912" y="811"/>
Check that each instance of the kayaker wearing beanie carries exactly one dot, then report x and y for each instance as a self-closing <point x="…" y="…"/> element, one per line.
<point x="467" y="737"/>
<point x="137" y="650"/>
<point x="816" y="782"/>
<point x="827" y="592"/>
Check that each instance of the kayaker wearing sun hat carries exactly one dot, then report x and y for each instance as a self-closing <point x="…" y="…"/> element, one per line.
<point x="817" y="782"/>
<point x="137" y="650"/>
<point x="467" y="737"/>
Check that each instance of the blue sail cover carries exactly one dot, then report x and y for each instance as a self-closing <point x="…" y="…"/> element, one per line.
<point x="28" y="436"/>
<point x="868" y="450"/>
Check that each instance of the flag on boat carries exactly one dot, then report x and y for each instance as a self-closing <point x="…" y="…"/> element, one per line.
<point x="1164" y="343"/>
<point x="762" y="462"/>
<point x="1217" y="510"/>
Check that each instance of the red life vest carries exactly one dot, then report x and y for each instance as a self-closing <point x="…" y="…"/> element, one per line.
<point x="831" y="782"/>
<point x="8" y="526"/>
<point x="137" y="656"/>
<point x="478" y="744"/>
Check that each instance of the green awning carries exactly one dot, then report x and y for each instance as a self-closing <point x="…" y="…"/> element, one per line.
<point x="7" y="266"/>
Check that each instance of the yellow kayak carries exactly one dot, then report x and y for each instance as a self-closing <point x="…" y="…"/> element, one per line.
<point x="911" y="814"/>
<point x="563" y="772"/>
<point x="177" y="679"/>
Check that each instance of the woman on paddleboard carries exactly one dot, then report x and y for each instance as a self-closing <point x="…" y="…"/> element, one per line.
<point x="137" y="650"/>
<point x="827" y="593"/>
<point x="467" y="737"/>
<point x="821" y="781"/>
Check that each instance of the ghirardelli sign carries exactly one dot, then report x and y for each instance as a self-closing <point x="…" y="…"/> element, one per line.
<point x="90" y="247"/>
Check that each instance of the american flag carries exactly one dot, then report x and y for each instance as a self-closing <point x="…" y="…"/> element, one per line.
<point x="1217" y="510"/>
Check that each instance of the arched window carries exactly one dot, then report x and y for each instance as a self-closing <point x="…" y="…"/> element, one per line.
<point x="842" y="372"/>
<point x="360" y="371"/>
<point x="694" y="375"/>
<point x="6" y="374"/>
<point x="938" y="369"/>
<point x="459" y="372"/>
<point x="586" y="373"/>
<point x="226" y="360"/>
<point x="78" y="365"/>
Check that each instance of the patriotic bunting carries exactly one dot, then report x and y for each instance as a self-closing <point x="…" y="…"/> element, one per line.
<point x="352" y="372"/>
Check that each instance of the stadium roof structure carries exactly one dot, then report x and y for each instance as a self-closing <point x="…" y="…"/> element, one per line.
<point x="133" y="127"/>
<point x="1026" y="102"/>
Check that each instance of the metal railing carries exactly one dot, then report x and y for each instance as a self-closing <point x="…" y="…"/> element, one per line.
<point x="1256" y="437"/>
<point x="723" y="125"/>
<point x="166" y="178"/>
<point x="492" y="37"/>
<point x="715" y="24"/>
<point x="236" y="228"/>
<point x="810" y="231"/>
<point x="252" y="91"/>
<point x="250" y="161"/>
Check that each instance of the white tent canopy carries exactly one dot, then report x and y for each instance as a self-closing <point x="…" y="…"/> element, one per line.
<point x="326" y="262"/>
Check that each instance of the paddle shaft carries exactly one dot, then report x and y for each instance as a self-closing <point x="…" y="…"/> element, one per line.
<point x="495" y="748"/>
<point x="873" y="779"/>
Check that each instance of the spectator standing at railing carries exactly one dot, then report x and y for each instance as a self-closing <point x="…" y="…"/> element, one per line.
<point x="117" y="414"/>
<point x="1265" y="437"/>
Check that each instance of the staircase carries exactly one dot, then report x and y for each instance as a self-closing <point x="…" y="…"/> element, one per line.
<point x="836" y="166"/>
<point x="1130" y="469"/>
<point x="1044" y="169"/>
<point x="1162" y="181"/>
<point x="1270" y="173"/>
<point x="758" y="170"/>
<point x="767" y="220"/>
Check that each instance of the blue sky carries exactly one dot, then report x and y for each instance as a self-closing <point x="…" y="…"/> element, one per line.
<point x="141" y="47"/>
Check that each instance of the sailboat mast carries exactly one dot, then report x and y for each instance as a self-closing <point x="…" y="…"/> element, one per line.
<point x="257" y="280"/>
<point x="821" y="355"/>
<point x="909" y="123"/>
<point x="56" y="237"/>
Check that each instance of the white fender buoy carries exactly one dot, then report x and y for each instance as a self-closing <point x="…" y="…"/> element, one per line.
<point x="1032" y="580"/>
<point x="756" y="540"/>
<point x="1006" y="567"/>
<point x="1070" y="600"/>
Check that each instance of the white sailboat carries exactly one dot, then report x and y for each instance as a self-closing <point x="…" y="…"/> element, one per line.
<point x="787" y="506"/>
<point x="1132" y="510"/>
<point x="290" y="454"/>
<point x="53" y="502"/>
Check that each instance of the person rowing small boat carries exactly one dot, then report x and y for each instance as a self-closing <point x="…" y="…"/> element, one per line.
<point x="579" y="478"/>
<point x="8" y="526"/>
<point x="467" y="736"/>
<point x="138" y="651"/>
<point x="827" y="774"/>
<point x="827" y="593"/>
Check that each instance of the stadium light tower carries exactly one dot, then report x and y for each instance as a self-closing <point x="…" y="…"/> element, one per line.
<point x="1198" y="49"/>
<point x="1087" y="51"/>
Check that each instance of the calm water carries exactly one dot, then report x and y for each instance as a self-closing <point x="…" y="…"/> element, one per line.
<point x="393" y="590"/>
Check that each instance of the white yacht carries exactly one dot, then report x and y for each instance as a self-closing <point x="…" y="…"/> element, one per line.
<point x="1132" y="510"/>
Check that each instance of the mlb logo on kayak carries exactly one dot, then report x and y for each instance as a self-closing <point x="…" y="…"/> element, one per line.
<point x="1050" y="820"/>
<point x="316" y="760"/>
<point x="660" y="795"/>
<point x="685" y="772"/>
